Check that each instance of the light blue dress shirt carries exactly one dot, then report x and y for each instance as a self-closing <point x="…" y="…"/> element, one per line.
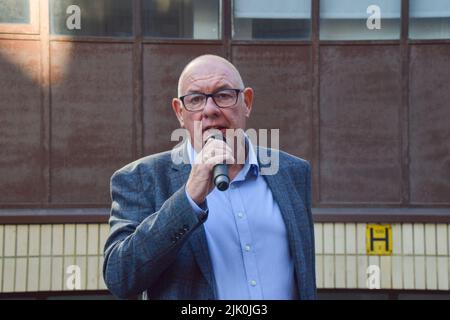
<point x="247" y="238"/>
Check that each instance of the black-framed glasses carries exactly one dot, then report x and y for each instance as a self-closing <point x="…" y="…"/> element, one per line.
<point x="224" y="98"/>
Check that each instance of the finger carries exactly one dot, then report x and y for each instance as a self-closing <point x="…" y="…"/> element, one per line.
<point x="211" y="151"/>
<point x="220" y="159"/>
<point x="204" y="157"/>
<point x="219" y="152"/>
<point x="215" y="143"/>
<point x="214" y="149"/>
<point x="207" y="158"/>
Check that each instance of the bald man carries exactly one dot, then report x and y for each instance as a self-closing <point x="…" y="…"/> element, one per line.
<point x="174" y="235"/>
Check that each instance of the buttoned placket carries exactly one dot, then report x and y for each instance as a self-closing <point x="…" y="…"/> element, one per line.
<point x="246" y="241"/>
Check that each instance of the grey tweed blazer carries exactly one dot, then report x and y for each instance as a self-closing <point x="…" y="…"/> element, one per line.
<point x="157" y="244"/>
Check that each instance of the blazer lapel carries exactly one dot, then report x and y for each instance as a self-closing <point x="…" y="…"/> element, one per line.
<point x="197" y="241"/>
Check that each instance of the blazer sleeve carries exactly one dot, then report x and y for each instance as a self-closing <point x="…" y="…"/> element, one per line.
<point x="143" y="242"/>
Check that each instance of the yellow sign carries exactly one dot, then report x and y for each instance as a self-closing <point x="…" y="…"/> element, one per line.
<point x="379" y="239"/>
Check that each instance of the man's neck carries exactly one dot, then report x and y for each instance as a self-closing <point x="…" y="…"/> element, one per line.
<point x="233" y="170"/>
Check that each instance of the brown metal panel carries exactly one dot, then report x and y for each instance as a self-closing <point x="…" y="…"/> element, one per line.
<point x="430" y="124"/>
<point x="92" y="118"/>
<point x="20" y="122"/>
<point x="360" y="138"/>
<point x="162" y="66"/>
<point x="281" y="78"/>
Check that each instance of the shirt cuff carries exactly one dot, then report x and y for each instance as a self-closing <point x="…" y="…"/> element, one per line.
<point x="199" y="210"/>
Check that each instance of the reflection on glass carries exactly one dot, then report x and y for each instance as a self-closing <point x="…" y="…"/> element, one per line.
<point x="429" y="19"/>
<point x="97" y="17"/>
<point x="14" y="11"/>
<point x="182" y="19"/>
<point x="355" y="19"/>
<point x="268" y="19"/>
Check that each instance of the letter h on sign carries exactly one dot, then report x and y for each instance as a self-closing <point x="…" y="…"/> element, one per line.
<point x="373" y="239"/>
<point x="379" y="239"/>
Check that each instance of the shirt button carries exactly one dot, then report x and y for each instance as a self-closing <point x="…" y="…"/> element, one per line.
<point x="240" y="215"/>
<point x="248" y="248"/>
<point x="232" y="186"/>
<point x="253" y="283"/>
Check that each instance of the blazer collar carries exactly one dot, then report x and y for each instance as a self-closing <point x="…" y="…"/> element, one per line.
<point x="180" y="158"/>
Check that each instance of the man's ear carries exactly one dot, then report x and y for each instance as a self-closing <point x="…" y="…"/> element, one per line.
<point x="178" y="109"/>
<point x="248" y="99"/>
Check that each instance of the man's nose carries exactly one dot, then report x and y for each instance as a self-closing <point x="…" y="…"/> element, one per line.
<point x="211" y="109"/>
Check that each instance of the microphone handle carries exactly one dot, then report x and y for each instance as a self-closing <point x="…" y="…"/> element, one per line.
<point x="220" y="171"/>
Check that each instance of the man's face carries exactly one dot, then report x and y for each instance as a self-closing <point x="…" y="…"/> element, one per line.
<point x="209" y="76"/>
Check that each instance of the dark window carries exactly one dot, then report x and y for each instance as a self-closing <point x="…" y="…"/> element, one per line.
<point x="181" y="19"/>
<point x="429" y="19"/>
<point x="14" y="11"/>
<point x="280" y="29"/>
<point x="97" y="17"/>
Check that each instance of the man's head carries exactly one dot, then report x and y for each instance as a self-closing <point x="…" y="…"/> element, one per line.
<point x="209" y="74"/>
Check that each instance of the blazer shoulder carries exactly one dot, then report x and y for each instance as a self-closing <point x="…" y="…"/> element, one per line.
<point x="155" y="162"/>
<point x="294" y="161"/>
<point x="288" y="160"/>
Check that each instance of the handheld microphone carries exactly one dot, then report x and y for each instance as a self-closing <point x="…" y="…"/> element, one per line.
<point x="220" y="171"/>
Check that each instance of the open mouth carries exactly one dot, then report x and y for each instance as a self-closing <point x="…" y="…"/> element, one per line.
<point x="214" y="128"/>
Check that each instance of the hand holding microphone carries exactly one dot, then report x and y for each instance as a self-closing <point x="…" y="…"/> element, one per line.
<point x="220" y="171"/>
<point x="209" y="169"/>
